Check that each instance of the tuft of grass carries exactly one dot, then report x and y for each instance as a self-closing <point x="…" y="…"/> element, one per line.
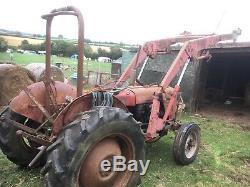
<point x="12" y="175"/>
<point x="223" y="160"/>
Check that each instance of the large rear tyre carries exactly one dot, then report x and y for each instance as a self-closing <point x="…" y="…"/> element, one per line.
<point x="186" y="144"/>
<point x="96" y="135"/>
<point x="13" y="146"/>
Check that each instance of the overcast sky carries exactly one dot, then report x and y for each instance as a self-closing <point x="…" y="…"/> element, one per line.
<point x="130" y="21"/>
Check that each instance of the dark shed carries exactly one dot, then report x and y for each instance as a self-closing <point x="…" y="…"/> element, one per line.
<point x="223" y="80"/>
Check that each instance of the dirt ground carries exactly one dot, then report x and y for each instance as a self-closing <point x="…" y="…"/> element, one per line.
<point x="234" y="115"/>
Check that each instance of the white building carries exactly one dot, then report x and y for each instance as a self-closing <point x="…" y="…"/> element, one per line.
<point x="104" y="59"/>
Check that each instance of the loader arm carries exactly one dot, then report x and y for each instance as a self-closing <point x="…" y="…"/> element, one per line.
<point x="150" y="49"/>
<point x="189" y="51"/>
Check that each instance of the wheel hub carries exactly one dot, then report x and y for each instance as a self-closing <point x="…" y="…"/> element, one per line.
<point x="91" y="173"/>
<point x="191" y="145"/>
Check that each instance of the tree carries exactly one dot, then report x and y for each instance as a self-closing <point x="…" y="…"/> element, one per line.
<point x="115" y="53"/>
<point x="42" y="47"/>
<point x="70" y="49"/>
<point x="57" y="47"/>
<point x="37" y="35"/>
<point x="25" y="42"/>
<point x="94" y="55"/>
<point x="3" y="45"/>
<point x="25" y="45"/>
<point x="63" y="47"/>
<point x="102" y="52"/>
<point x="60" y="36"/>
<point x="86" y="40"/>
<point x="88" y="51"/>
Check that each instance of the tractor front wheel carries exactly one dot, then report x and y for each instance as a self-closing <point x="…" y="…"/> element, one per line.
<point x="100" y="134"/>
<point x="186" y="144"/>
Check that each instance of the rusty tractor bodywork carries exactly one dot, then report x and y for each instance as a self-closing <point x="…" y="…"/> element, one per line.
<point x="53" y="105"/>
<point x="43" y="101"/>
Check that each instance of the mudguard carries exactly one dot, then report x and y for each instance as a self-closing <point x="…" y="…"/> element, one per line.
<point x="23" y="105"/>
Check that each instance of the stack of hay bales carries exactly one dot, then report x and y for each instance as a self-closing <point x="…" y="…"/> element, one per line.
<point x="13" y="79"/>
<point x="38" y="70"/>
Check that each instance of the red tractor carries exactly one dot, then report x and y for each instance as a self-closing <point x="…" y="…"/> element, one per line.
<point x="51" y="122"/>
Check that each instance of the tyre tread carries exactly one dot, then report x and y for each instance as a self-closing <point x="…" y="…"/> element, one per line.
<point x="60" y="155"/>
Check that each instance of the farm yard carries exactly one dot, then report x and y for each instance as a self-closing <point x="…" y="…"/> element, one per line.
<point x="224" y="160"/>
<point x="182" y="97"/>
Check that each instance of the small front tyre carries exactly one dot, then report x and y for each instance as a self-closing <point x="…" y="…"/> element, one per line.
<point x="186" y="144"/>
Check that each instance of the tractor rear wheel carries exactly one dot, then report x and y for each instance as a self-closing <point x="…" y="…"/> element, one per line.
<point x="96" y="135"/>
<point x="12" y="145"/>
<point x="186" y="144"/>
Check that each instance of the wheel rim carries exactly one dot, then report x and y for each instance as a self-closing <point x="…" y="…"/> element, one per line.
<point x="90" y="173"/>
<point x="191" y="145"/>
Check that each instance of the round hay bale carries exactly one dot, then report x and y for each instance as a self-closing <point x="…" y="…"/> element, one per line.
<point x="38" y="70"/>
<point x="13" y="79"/>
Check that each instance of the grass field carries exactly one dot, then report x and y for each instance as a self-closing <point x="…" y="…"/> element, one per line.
<point x="24" y="59"/>
<point x="223" y="160"/>
<point x="16" y="41"/>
